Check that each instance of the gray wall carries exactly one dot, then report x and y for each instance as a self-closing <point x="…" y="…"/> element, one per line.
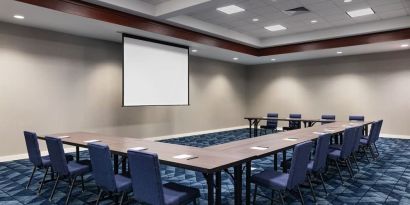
<point x="52" y="82"/>
<point x="375" y="85"/>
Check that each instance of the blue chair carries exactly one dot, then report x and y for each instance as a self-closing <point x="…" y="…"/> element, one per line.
<point x="359" y="135"/>
<point x="282" y="182"/>
<point x="328" y="117"/>
<point x="343" y="154"/>
<point x="294" y="124"/>
<point x="147" y="183"/>
<point x="271" y="124"/>
<point x="35" y="157"/>
<point x="318" y="164"/>
<point x="371" y="140"/>
<point x="356" y="118"/>
<point x="70" y="170"/>
<point x="103" y="172"/>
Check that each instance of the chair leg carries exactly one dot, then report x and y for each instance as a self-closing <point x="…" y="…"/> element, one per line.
<point x="71" y="190"/>
<point x="376" y="149"/>
<point x="82" y="183"/>
<point x="372" y="152"/>
<point x="282" y="199"/>
<point x="356" y="162"/>
<point x="311" y="187"/>
<point x="54" y="188"/>
<point x="31" y="177"/>
<point x="340" y="173"/>
<point x="42" y="182"/>
<point x="254" y="194"/>
<point x="123" y="197"/>
<point x="365" y="154"/>
<point x="323" y="182"/>
<point x="271" y="197"/>
<point x="349" y="167"/>
<point x="301" y="197"/>
<point x="99" y="196"/>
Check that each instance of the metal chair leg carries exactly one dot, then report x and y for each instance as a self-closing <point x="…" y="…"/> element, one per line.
<point x="254" y="194"/>
<point x="323" y="182"/>
<point x="71" y="190"/>
<point x="123" y="196"/>
<point x="340" y="173"/>
<point x="42" y="182"/>
<point x="271" y="197"/>
<point x="311" y="187"/>
<point x="349" y="167"/>
<point x="54" y="188"/>
<point x="99" y="196"/>
<point x="82" y="183"/>
<point x="374" y="144"/>
<point x="372" y="152"/>
<point x="356" y="162"/>
<point x="301" y="197"/>
<point x="31" y="177"/>
<point x="365" y="154"/>
<point x="282" y="199"/>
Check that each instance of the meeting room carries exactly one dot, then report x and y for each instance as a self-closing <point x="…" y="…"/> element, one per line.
<point x="204" y="102"/>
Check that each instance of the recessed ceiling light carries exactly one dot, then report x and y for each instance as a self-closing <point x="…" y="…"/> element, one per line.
<point x="255" y="19"/>
<point x="231" y="9"/>
<point x="273" y="59"/>
<point x="339" y="52"/>
<point x="347" y="1"/>
<point x="404" y="45"/>
<point x="275" y="28"/>
<point x="360" y="12"/>
<point x="18" y="16"/>
<point x="313" y="21"/>
<point x="235" y="59"/>
<point x="194" y="50"/>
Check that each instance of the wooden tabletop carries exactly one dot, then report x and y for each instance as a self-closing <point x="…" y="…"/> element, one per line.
<point x="289" y="119"/>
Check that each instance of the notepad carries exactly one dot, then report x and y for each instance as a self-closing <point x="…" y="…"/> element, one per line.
<point x="137" y="148"/>
<point x="90" y="141"/>
<point x="62" y="137"/>
<point x="291" y="139"/>
<point x="183" y="156"/>
<point x="319" y="133"/>
<point x="329" y="130"/>
<point x="259" y="148"/>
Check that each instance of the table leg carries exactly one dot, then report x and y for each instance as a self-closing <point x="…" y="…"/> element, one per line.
<point x="275" y="161"/>
<point x="255" y="128"/>
<point x="304" y="124"/>
<point x="366" y="130"/>
<point x="116" y="163"/>
<point x="238" y="184"/>
<point x="250" y="128"/>
<point x="210" y="182"/>
<point x="218" y="188"/>
<point x="285" y="169"/>
<point x="124" y="165"/>
<point x="248" y="182"/>
<point x="77" y="153"/>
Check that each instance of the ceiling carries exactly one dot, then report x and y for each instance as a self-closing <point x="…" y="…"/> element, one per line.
<point x="62" y="22"/>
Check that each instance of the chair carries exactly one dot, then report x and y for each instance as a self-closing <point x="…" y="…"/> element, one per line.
<point x="373" y="137"/>
<point x="70" y="170"/>
<point x="318" y="164"/>
<point x="294" y="124"/>
<point x="35" y="157"/>
<point x="271" y="124"/>
<point x="356" y="118"/>
<point x="342" y="154"/>
<point x="282" y="182"/>
<point x="147" y="183"/>
<point x="103" y="172"/>
<point x="328" y="117"/>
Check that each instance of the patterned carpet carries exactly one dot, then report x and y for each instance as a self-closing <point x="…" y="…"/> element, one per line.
<point x="382" y="181"/>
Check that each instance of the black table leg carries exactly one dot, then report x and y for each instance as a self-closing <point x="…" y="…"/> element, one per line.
<point x="255" y="127"/>
<point x="250" y="128"/>
<point x="210" y="182"/>
<point x="304" y="124"/>
<point x="248" y="182"/>
<point x="218" y="188"/>
<point x="124" y="165"/>
<point x="275" y="161"/>
<point x="285" y="169"/>
<point x="77" y="153"/>
<point x="238" y="184"/>
<point x="116" y="163"/>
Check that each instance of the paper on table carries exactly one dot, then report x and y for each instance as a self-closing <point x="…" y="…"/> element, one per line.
<point x="329" y="130"/>
<point x="290" y="139"/>
<point x="182" y="156"/>
<point x="259" y="148"/>
<point x="137" y="148"/>
<point x="319" y="133"/>
<point x="62" y="137"/>
<point x="90" y="141"/>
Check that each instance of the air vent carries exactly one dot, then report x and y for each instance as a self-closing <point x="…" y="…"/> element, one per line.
<point x="296" y="11"/>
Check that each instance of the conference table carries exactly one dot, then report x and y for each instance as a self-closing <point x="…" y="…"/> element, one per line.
<point x="212" y="160"/>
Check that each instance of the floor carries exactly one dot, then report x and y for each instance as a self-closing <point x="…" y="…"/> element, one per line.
<point x="382" y="181"/>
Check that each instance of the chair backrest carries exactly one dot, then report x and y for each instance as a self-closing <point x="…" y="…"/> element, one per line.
<point x="379" y="129"/>
<point x="103" y="171"/>
<point x="272" y="124"/>
<point x="146" y="177"/>
<point x="328" y="117"/>
<point x="322" y="147"/>
<point x="33" y="149"/>
<point x="359" y="135"/>
<point x="300" y="160"/>
<point x="356" y="118"/>
<point x="349" y="136"/>
<point x="295" y="124"/>
<point x="57" y="155"/>
<point x="375" y="131"/>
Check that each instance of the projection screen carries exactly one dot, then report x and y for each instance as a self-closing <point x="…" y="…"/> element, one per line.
<point x="154" y="72"/>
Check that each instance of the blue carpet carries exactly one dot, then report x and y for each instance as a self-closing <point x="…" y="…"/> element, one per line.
<point x="382" y="181"/>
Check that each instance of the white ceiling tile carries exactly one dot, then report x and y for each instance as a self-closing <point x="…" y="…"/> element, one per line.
<point x="388" y="7"/>
<point x="392" y="14"/>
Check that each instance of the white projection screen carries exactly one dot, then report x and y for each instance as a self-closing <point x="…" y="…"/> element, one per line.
<point x="154" y="72"/>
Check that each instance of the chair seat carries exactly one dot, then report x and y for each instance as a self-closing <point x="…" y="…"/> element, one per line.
<point x="364" y="141"/>
<point x="77" y="169"/>
<point x="334" y="154"/>
<point x="123" y="183"/>
<point x="176" y="194"/>
<point x="47" y="162"/>
<point x="271" y="179"/>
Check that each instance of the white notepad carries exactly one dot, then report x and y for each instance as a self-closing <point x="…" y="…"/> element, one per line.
<point x="137" y="148"/>
<point x="329" y="130"/>
<point x="62" y="137"/>
<point x="290" y="139"/>
<point x="183" y="156"/>
<point x="319" y="133"/>
<point x="259" y="148"/>
<point x="90" y="141"/>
